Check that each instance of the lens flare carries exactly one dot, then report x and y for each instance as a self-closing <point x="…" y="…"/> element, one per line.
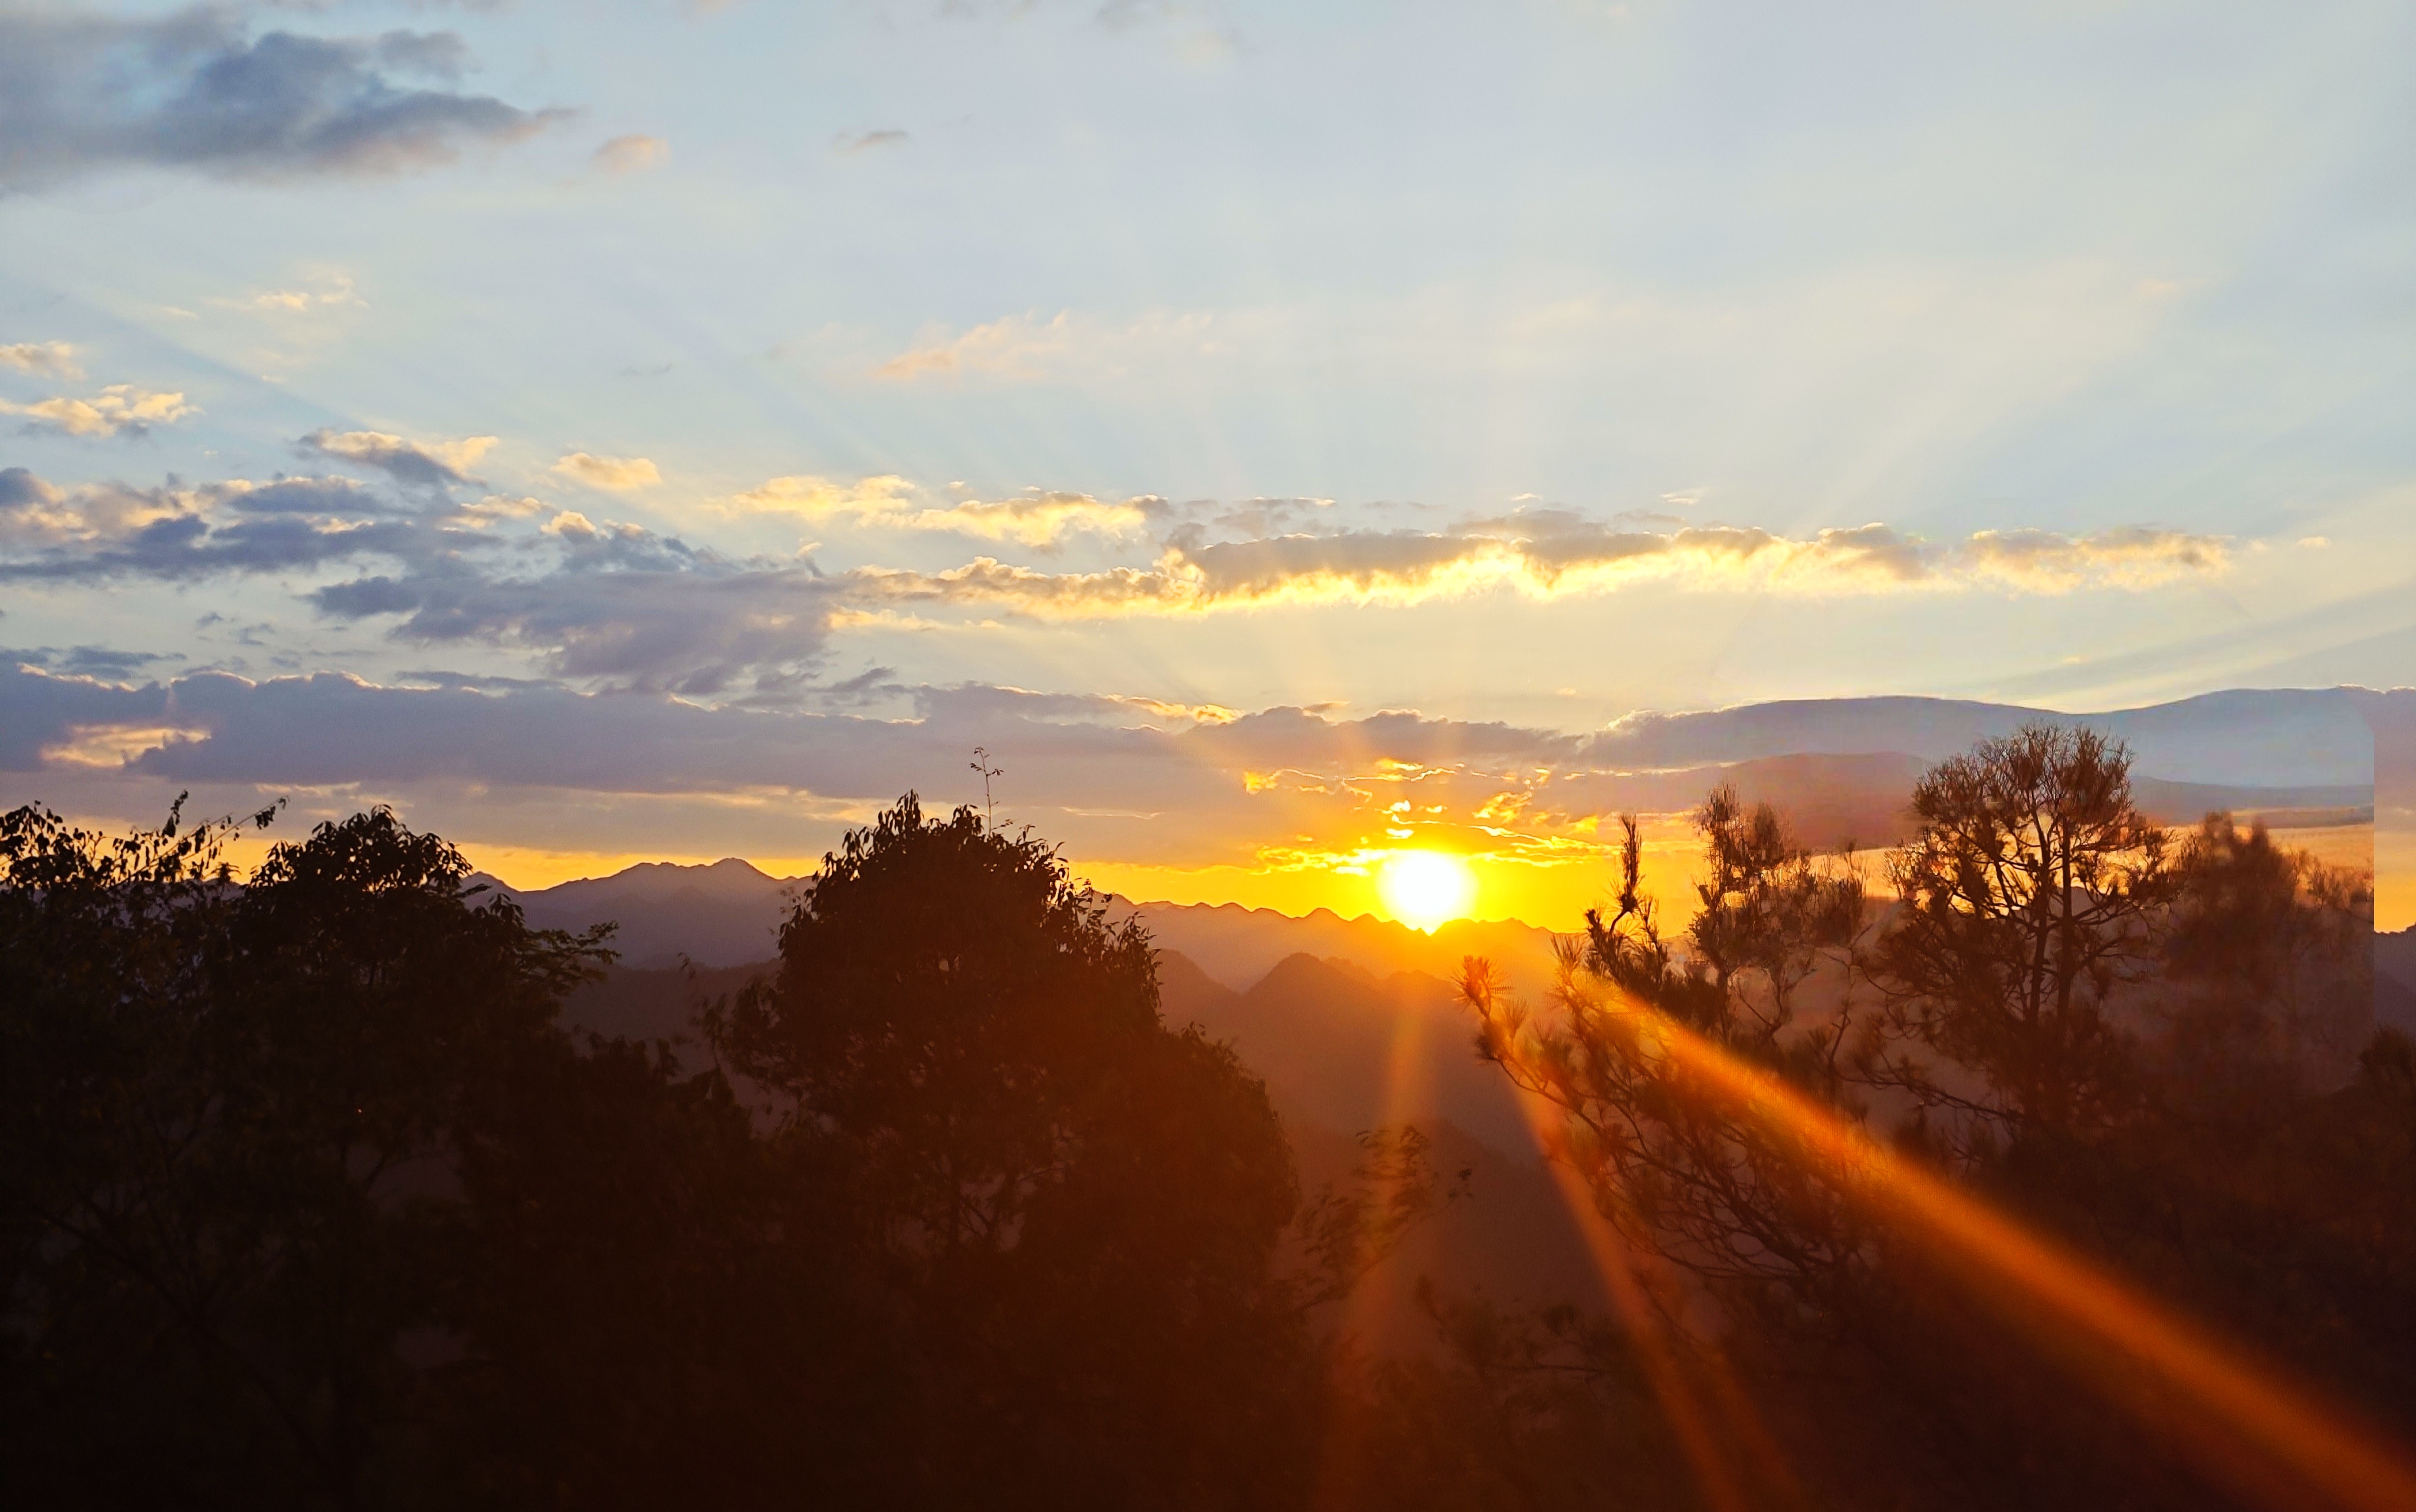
<point x="1426" y="889"/>
<point x="2278" y="1438"/>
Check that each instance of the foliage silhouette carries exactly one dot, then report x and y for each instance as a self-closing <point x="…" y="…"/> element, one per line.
<point x="1078" y="1208"/>
<point x="2055" y="986"/>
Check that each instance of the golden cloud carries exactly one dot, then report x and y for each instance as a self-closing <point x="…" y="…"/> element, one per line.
<point x="117" y="408"/>
<point x="1407" y="567"/>
<point x="617" y="473"/>
<point x="1036" y="517"/>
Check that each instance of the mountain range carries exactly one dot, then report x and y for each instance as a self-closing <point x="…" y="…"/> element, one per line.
<point x="722" y="915"/>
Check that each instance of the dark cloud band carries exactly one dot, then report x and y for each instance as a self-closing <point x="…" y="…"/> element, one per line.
<point x="193" y="90"/>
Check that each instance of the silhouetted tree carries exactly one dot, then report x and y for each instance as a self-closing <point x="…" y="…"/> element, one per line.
<point x="1674" y="1157"/>
<point x="1079" y="1205"/>
<point x="1660" y="1140"/>
<point x="225" y="1138"/>
<point x="2042" y="928"/>
<point x="2028" y="895"/>
<point x="1767" y="916"/>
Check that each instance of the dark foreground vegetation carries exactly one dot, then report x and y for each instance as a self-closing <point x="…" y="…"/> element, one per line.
<point x="307" y="1198"/>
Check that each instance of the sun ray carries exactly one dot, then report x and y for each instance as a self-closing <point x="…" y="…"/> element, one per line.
<point x="2280" y="1439"/>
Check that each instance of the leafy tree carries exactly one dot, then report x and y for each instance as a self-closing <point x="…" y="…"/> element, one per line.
<point x="655" y="1313"/>
<point x="1667" y="1158"/>
<point x="1768" y="914"/>
<point x="2042" y="928"/>
<point x="2030" y="897"/>
<point x="1078" y="1206"/>
<point x="1673" y="1157"/>
<point x="225" y="1134"/>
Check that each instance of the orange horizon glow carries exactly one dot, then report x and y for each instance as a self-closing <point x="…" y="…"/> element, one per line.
<point x="1553" y="892"/>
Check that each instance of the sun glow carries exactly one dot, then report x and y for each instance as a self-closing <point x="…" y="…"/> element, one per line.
<point x="1426" y="889"/>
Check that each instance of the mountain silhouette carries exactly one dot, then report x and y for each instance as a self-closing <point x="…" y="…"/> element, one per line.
<point x="725" y="914"/>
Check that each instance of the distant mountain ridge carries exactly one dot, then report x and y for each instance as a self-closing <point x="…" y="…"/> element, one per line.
<point x="724" y="914"/>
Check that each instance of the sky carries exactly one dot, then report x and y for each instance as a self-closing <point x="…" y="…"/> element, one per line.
<point x="1276" y="434"/>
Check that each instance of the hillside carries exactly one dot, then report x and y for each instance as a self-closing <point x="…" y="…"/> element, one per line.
<point x="724" y="914"/>
<point x="1341" y="1047"/>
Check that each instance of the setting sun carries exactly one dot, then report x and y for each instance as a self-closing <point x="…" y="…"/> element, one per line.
<point x="1423" y="888"/>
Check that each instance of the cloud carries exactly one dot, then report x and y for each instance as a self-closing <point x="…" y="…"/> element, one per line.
<point x="617" y="605"/>
<point x="105" y="530"/>
<point x="617" y="473"/>
<point x="816" y="500"/>
<point x="36" y="514"/>
<point x="55" y="359"/>
<point x="2042" y="561"/>
<point x="84" y="661"/>
<point x="336" y="290"/>
<point x="20" y="489"/>
<point x="1162" y="781"/>
<point x="332" y="729"/>
<point x="1036" y="517"/>
<point x="120" y="407"/>
<point x="629" y="609"/>
<point x="851" y="142"/>
<point x="1553" y="556"/>
<point x="425" y="464"/>
<point x="193" y="90"/>
<point x="1028" y="349"/>
<point x="1137" y="778"/>
<point x="632" y="154"/>
<point x="596" y="600"/>
<point x="40" y="710"/>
